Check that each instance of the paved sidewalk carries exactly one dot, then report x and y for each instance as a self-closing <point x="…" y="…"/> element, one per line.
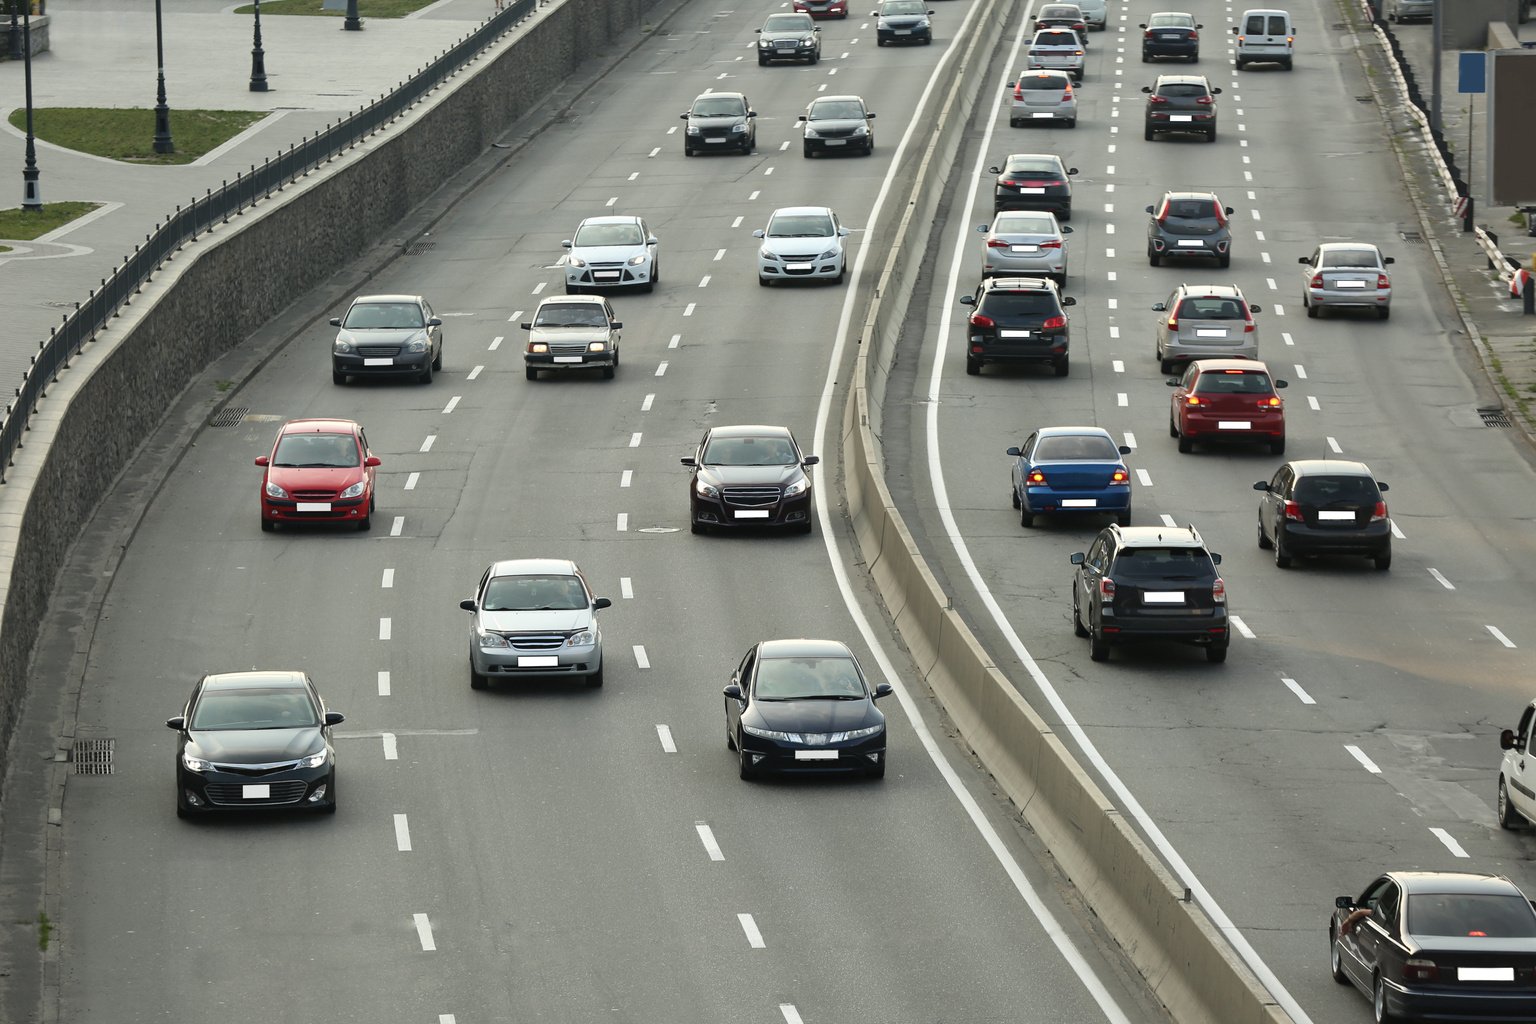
<point x="103" y="55"/>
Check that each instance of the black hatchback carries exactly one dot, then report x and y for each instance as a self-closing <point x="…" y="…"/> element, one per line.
<point x="1017" y="320"/>
<point x="1181" y="103"/>
<point x="720" y="121"/>
<point x="1324" y="507"/>
<point x="1033" y="181"/>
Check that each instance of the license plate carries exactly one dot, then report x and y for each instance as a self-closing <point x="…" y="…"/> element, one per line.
<point x="1209" y="333"/>
<point x="1234" y="425"/>
<point x="256" y="791"/>
<point x="712" y="141"/>
<point x="903" y="31"/>
<point x="750" y="513"/>
<point x="799" y="266"/>
<point x="1033" y="191"/>
<point x="383" y="361"/>
<point x="834" y="142"/>
<point x="1013" y="334"/>
<point x="815" y="755"/>
<point x="1180" y="117"/>
<point x="567" y="359"/>
<point x="1485" y="974"/>
<point x="786" y="49"/>
<point x="1190" y="241"/>
<point x="1042" y="115"/>
<point x="1023" y="248"/>
<point x="1162" y="597"/>
<point x="1080" y="503"/>
<point x="538" y="661"/>
<point x="1169" y="37"/>
<point x="607" y="275"/>
<point x="1335" y="515"/>
<point x="313" y="506"/>
<point x="1349" y="284"/>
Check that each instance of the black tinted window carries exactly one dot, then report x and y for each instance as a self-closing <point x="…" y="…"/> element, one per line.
<point x="1048" y="82"/>
<point x="1082" y="447"/>
<point x="719" y="106"/>
<point x="1181" y="90"/>
<point x="1234" y="382"/>
<point x="1484" y="915"/>
<point x="1276" y="25"/>
<point x="1155" y="563"/>
<point x="1191" y="209"/>
<point x="1211" y="309"/>
<point x="1255" y="25"/>
<point x="1019" y="304"/>
<point x="1323" y="490"/>
<point x="1350" y="258"/>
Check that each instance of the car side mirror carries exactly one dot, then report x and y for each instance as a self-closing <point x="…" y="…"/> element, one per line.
<point x="760" y="31"/>
<point x="1227" y="210"/>
<point x="800" y="119"/>
<point x="759" y="233"/>
<point x="1124" y="449"/>
<point x="1151" y="210"/>
<point x="982" y="228"/>
<point x="1216" y="91"/>
<point x="967" y="300"/>
<point x="1262" y="485"/>
<point x="1506" y="738"/>
<point x="1254" y="307"/>
<point x="1215" y="558"/>
<point x="1172" y="382"/>
<point x="372" y="460"/>
<point x="1159" y="307"/>
<point x="525" y="325"/>
<point x="602" y="602"/>
<point x="1199" y="26"/>
<point x="1387" y="261"/>
<point x="751" y="113"/>
<point x="434" y="322"/>
<point x="689" y="460"/>
<point x="1071" y="171"/>
<point x="1066" y="229"/>
<point x="1305" y="261"/>
<point x="565" y="243"/>
<point x="811" y="460"/>
<point x="1381" y="486"/>
<point x="335" y="321"/>
<point x="1146" y="89"/>
<point x="733" y="691"/>
<point x="179" y="723"/>
<point x="468" y="604"/>
<point x="1014" y="451"/>
<point x="1341" y="902"/>
<point x="842" y="232"/>
<point x="616" y="325"/>
<point x="1067" y="300"/>
<point x="1142" y="25"/>
<point x="930" y="13"/>
<point x="1281" y="384"/>
<point x="262" y="460"/>
<point x="683" y="116"/>
<point x="334" y="718"/>
<point x="1077" y="558"/>
<point x="994" y="170"/>
<point x="870" y="114"/>
<point x="883" y="690"/>
<point x="1234" y="30"/>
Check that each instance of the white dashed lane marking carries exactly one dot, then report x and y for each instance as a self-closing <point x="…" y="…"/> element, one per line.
<point x="754" y="937"/>
<point x="626" y="588"/>
<point x="634" y="439"/>
<point x="1144" y="477"/>
<point x="391" y="750"/>
<point x="1449" y="841"/>
<point x="402" y="834"/>
<point x="424" y="933"/>
<point x="411" y="481"/>
<point x="388" y="579"/>
<point x="1295" y="688"/>
<point x="1119" y="365"/>
<point x="1498" y="635"/>
<point x="664" y="734"/>
<point x="385" y="628"/>
<point x="661" y="369"/>
<point x="1447" y="584"/>
<point x="791" y="1015"/>
<point x="1122" y="399"/>
<point x="1312" y="403"/>
<point x="452" y="404"/>
<point x="625" y="477"/>
<point x="1395" y="531"/>
<point x="1130" y="439"/>
<point x="475" y="372"/>
<point x="645" y="406"/>
<point x="1333" y="444"/>
<point x="1241" y="626"/>
<point x="623" y="522"/>
<point x="641" y="659"/>
<point x="426" y="445"/>
<point x="707" y="837"/>
<point x="1365" y="762"/>
<point x="383" y="683"/>
<point x="1168" y="521"/>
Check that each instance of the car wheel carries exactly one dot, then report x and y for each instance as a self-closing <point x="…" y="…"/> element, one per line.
<point x="815" y="57"/>
<point x="425" y="377"/>
<point x="572" y="289"/>
<point x="763" y="281"/>
<point x="1062" y="366"/>
<point x="807" y="151"/>
<point x="1145" y="59"/>
<point x="182" y="812"/>
<point x="366" y="523"/>
<point x="1239" y="65"/>
<point x="687" y="151"/>
<point x="1264" y="544"/>
<point x="1508" y="816"/>
<point x="1383" y="561"/>
<point x="1286" y="64"/>
<point x="1147" y="134"/>
<point x="437" y="364"/>
<point x="1224" y="260"/>
<point x="842" y="268"/>
<point x="476" y="680"/>
<point x="1164" y="366"/>
<point x="1155" y="259"/>
<point x="1216" y="655"/>
<point x="1014" y="124"/>
<point x="1336" y="960"/>
<point x="1077" y="616"/>
<point x="1282" y="557"/>
<point x="1026" y="517"/>
<point x="1013" y="494"/>
<point x="1210" y="136"/>
<point x="1123" y="518"/>
<point x="1379" y="1009"/>
<point x="1194" y="58"/>
<point x="1185" y="445"/>
<point x="1173" y="426"/>
<point x="530" y="373"/>
<point x="972" y="366"/>
<point x="1383" y="312"/>
<point x="1311" y="308"/>
<point x="869" y="150"/>
<point x="1277" y="447"/>
<point x="338" y="378"/>
<point x="1071" y="122"/>
<point x="1098" y="647"/>
<point x="595" y="680"/>
<point x="267" y="525"/>
<point x="806" y="527"/>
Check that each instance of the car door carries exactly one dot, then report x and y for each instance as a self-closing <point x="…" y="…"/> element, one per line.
<point x="742" y="678"/>
<point x="1309" y="270"/>
<point x="371" y="472"/>
<point x="1088" y="577"/>
<point x="1181" y="395"/>
<point x="1371" y="937"/>
<point x="1520" y="780"/>
<point x="1169" y="309"/>
<point x="1022" y="464"/>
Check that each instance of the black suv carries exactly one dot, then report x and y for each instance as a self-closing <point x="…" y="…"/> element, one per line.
<point x="720" y="121"/>
<point x="1149" y="583"/>
<point x="1324" y="506"/>
<point x="1189" y="225"/>
<point x="1181" y="103"/>
<point x="1017" y="320"/>
<point x="1033" y="181"/>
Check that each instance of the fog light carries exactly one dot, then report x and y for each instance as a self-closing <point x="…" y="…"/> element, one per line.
<point x="194" y="799"/>
<point x="318" y="796"/>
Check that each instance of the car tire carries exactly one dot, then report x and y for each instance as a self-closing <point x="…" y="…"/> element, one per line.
<point x="1066" y="215"/>
<point x="1147" y="134"/>
<point x="476" y="680"/>
<point x="1026" y="517"/>
<point x="805" y="528"/>
<point x="1014" y="124"/>
<point x="338" y="378"/>
<point x="1287" y="64"/>
<point x="1239" y="65"/>
<point x="1145" y="59"/>
<point x="972" y="366"/>
<point x="1282" y="557"/>
<point x="1194" y="58"/>
<point x="267" y="525"/>
<point x="1277" y="447"/>
<point x="1063" y="366"/>
<point x="869" y="150"/>
<point x="1013" y="495"/>
<point x="1071" y="122"/>
<point x="1509" y="818"/>
<point x="1123" y="518"/>
<point x="1383" y="312"/>
<point x="530" y="373"/>
<point x="1098" y="647"/>
<point x="842" y="268"/>
<point x="730" y="741"/>
<point x="807" y="151"/>
<point x="815" y="58"/>
<point x="1173" y="426"/>
<point x="1216" y="655"/>
<point x="763" y="282"/>
<point x="1164" y="366"/>
<point x="595" y="680"/>
<point x="1077" y="616"/>
<point x="687" y="151"/>
<point x="182" y="812"/>
<point x="1155" y="259"/>
<point x="650" y="286"/>
<point x="1311" y="307"/>
<point x="437" y="364"/>
<point x="1210" y="136"/>
<point x="1224" y="261"/>
<point x="572" y="289"/>
<point x="1379" y="1011"/>
<point x="1185" y="445"/>
<point x="1383" y="561"/>
<point x="366" y="523"/>
<point x="1336" y="959"/>
<point x="1264" y="542"/>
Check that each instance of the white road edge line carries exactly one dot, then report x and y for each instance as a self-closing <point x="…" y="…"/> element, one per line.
<point x="1365" y="762"/>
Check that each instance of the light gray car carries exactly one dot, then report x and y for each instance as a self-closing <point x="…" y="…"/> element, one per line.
<point x="534" y="617"/>
<point x="611" y="252"/>
<point x="1347" y="275"/>
<point x="1095" y="13"/>
<point x="1416" y="10"/>
<point x="572" y="332"/>
<point x="801" y="243"/>
<point x="1057" y="49"/>
<point x="1024" y="243"/>
<point x="1205" y="321"/>
<point x="1043" y="97"/>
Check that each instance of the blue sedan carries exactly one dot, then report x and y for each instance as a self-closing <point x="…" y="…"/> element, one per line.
<point x="1071" y="469"/>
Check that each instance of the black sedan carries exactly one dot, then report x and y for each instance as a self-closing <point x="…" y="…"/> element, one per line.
<point x="1444" y="945"/>
<point x="1033" y="181"/>
<point x="1170" y="34"/>
<point x="255" y="741"/>
<point x="803" y="706"/>
<point x="749" y="475"/>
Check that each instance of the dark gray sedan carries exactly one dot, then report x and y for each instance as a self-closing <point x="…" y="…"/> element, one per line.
<point x="387" y="336"/>
<point x="837" y="124"/>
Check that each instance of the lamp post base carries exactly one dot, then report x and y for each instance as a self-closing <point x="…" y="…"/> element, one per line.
<point x="31" y="191"/>
<point x="258" y="71"/>
<point x="352" y="22"/>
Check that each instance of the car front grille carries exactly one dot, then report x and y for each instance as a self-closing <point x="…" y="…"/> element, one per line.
<point x="568" y="348"/>
<point x="751" y="496"/>
<point x="536" y="641"/>
<point x="227" y="794"/>
<point x="377" y="351"/>
<point x="327" y="495"/>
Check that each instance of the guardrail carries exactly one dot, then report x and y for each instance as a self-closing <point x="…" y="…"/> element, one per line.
<point x="215" y="207"/>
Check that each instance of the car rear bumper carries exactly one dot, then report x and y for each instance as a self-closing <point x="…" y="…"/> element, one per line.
<point x="1417" y="1004"/>
<point x="1372" y="539"/>
<point x="1159" y="49"/>
<point x="1207" y="631"/>
<point x="995" y="351"/>
<point x="1371" y="298"/>
<point x="587" y="361"/>
<point x="1024" y="266"/>
<point x="1050" y="500"/>
<point x="1260" y="429"/>
<point x="1023" y="112"/>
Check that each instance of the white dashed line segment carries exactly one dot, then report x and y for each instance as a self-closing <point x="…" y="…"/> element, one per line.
<point x="397" y="526"/>
<point x="707" y="837"/>
<point x="1498" y="635"/>
<point x="1241" y="626"/>
<point x="402" y="834"/>
<point x="1295" y="688"/>
<point x="383" y="683"/>
<point x="424" y="933"/>
<point x="641" y="659"/>
<point x="1144" y="477"/>
<point x="1365" y="762"/>
<point x="754" y="937"/>
<point x="386" y="627"/>
<point x="1449" y="841"/>
<point x="623" y="522"/>
<point x="664" y="734"/>
<point x="1440" y="579"/>
<point x="411" y="481"/>
<point x="391" y="750"/>
<point x="388" y="579"/>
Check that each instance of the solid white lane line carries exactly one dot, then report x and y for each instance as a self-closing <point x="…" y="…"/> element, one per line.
<point x="1447" y="584"/>
<point x="664" y="733"/>
<point x="1395" y="531"/>
<point x="707" y="837"/>
<point x="397" y="526"/>
<point x="625" y="477"/>
<point x="388" y="580"/>
<point x="402" y="834"/>
<point x="645" y="406"/>
<point x="1312" y="403"/>
<point x="1295" y="688"/>
<point x="452" y="403"/>
<point x="1334" y="445"/>
<point x="641" y="661"/>
<point x="475" y="372"/>
<point x="391" y="752"/>
<point x="1498" y="635"/>
<point x="424" y="933"/>
<point x="704" y="281"/>
<point x="1241" y="626"/>
<point x="1130" y="439"/>
<point x="661" y="369"/>
<point x="383" y="682"/>
<point x="754" y="937"/>
<point x="426" y="445"/>
<point x="1122" y="399"/>
<point x="623" y="522"/>
<point x="411" y="481"/>
<point x="1365" y="762"/>
<point x="1449" y="841"/>
<point x="634" y="439"/>
<point x="626" y="588"/>
<point x="791" y="1015"/>
<point x="1118" y="365"/>
<point x="386" y="627"/>
<point x="1144" y="477"/>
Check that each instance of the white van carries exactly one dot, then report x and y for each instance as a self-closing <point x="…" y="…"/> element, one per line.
<point x="1265" y="37"/>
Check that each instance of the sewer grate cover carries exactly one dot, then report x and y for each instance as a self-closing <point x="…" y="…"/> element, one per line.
<point x="1494" y="418"/>
<point x="1411" y="236"/>
<point x="93" y="757"/>
<point x="229" y="416"/>
<point x="1365" y="99"/>
<point x="417" y="248"/>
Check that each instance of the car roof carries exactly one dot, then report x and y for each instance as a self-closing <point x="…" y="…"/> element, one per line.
<point x="1212" y="291"/>
<point x="252" y="680"/>
<point x="799" y="15"/>
<point x="1332" y="467"/>
<point x="611" y="219"/>
<point x="844" y="96"/>
<point x="1012" y="157"/>
<point x="717" y="95"/>
<point x="572" y="300"/>
<point x="386" y="298"/>
<point x="1171" y="195"/>
<point x="1072" y="432"/>
<point x="1158" y="536"/>
<point x="1046" y="73"/>
<point x="797" y="211"/>
<point x="1052" y="7"/>
<point x="1018" y="284"/>
<point x="1454" y="882"/>
<point x="750" y="430"/>
<point x="803" y="648"/>
<point x="534" y="566"/>
<point x="1054" y="32"/>
<point x="1182" y="80"/>
<point x="1221" y="365"/>
<point x="1350" y="247"/>
<point x="320" y="426"/>
<point x="1173" y="14"/>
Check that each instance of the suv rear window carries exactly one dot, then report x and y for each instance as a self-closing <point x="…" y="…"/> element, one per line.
<point x="1182" y="90"/>
<point x="1323" y="490"/>
<point x="1211" y="309"/>
<point x="1190" y="209"/>
<point x="1164" y="563"/>
<point x="1234" y="382"/>
<point x="1012" y="304"/>
<point x="1051" y="83"/>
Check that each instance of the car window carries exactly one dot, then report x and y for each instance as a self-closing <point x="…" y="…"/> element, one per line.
<point x="1060" y="11"/>
<point x="1234" y="382"/>
<point x="1190" y="209"/>
<point x="1254" y="24"/>
<point x="800" y="225"/>
<point x="744" y="671"/>
<point x="316" y="451"/>
<point x="1026" y="450"/>
<point x="803" y="678"/>
<point x="534" y="593"/>
<point x="1385" y="905"/>
<point x="1055" y="37"/>
<point x="903" y="7"/>
<point x="1350" y="258"/>
<point x="1163" y="563"/>
<point x="1480" y="915"/>
<point x="384" y="316"/>
<point x="570" y="314"/>
<point x="719" y="106"/>
<point x="1042" y="83"/>
<point x="1209" y="308"/>
<point x="1523" y="734"/>
<point x="1276" y="25"/>
<point x="1023" y="223"/>
<point x="1081" y="446"/>
<point x="1281" y="483"/>
<point x="1017" y="304"/>
<point x="609" y="234"/>
<point x="824" y="109"/>
<point x="255" y="707"/>
<point x="1169" y="21"/>
<point x="1331" y="489"/>
<point x="1098" y="555"/>
<point x="788" y="23"/>
<point x="1182" y="90"/>
<point x="750" y="451"/>
<point x="1037" y="165"/>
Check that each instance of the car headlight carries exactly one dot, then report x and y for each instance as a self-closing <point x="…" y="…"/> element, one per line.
<point x="635" y="261"/>
<point x="766" y="44"/>
<point x="808" y="41"/>
<point x="693" y="129"/>
<point x="705" y="490"/>
<point x="862" y="129"/>
<point x="798" y="487"/>
<point x="769" y="255"/>
<point x="538" y="347"/>
<point x="855" y="734"/>
<point x="492" y="640"/>
<point x="195" y="764"/>
<point x="830" y="254"/>
<point x="585" y="638"/>
<point x="315" y="760"/>
<point x="597" y="346"/>
<point x="772" y="734"/>
<point x="274" y="491"/>
<point x="418" y="344"/>
<point x="811" y="133"/>
<point x="576" y="261"/>
<point x="922" y="23"/>
<point x="343" y="346"/>
<point x="738" y="127"/>
<point x="355" y="491"/>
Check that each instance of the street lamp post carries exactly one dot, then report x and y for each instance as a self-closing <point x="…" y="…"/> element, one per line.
<point x="258" y="56"/>
<point x="31" y="194"/>
<point x="15" y="31"/>
<point x="163" y="143"/>
<point x="352" y="21"/>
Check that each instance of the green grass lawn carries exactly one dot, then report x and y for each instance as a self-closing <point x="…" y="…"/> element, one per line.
<point x="24" y="225"/>
<point x="129" y="133"/>
<point x="365" y="8"/>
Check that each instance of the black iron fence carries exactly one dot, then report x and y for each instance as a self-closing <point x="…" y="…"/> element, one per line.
<point x="65" y="341"/>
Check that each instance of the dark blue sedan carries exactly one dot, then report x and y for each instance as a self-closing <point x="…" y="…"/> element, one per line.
<point x="1071" y="469"/>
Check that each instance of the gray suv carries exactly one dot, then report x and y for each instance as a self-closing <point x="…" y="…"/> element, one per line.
<point x="1205" y="321"/>
<point x="1181" y="103"/>
<point x="534" y="617"/>
<point x="1189" y="225"/>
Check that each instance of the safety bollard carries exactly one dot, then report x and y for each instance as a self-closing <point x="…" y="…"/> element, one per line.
<point x="1522" y="285"/>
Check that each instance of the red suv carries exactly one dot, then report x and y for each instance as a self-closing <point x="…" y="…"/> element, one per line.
<point x="320" y="471"/>
<point x="1227" y="400"/>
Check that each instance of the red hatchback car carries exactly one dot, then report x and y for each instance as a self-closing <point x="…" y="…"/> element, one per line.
<point x="822" y="8"/>
<point x="320" y="471"/>
<point x="1227" y="400"/>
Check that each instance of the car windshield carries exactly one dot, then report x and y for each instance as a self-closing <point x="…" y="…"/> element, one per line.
<point x="1351" y="258"/>
<point x="1211" y="309"/>
<point x="383" y="316"/>
<point x="1170" y="21"/>
<point x="808" y="679"/>
<point x="1019" y="304"/>
<point x="800" y="225"/>
<point x="1051" y="83"/>
<point x="1074" y="447"/>
<point x="317" y="451"/>
<point x="540" y="593"/>
<point x="750" y="451"/>
<point x="1039" y="166"/>
<point x="1479" y="915"/>
<point x="903" y="7"/>
<point x="1182" y="90"/>
<point x="1023" y="224"/>
<point x="609" y="234"/>
<point x="1327" y="490"/>
<point x="1163" y="563"/>
<point x="1234" y="382"/>
<point x="263" y="707"/>
<point x="570" y="314"/>
<point x="787" y="23"/>
<point x="719" y="106"/>
<point x="840" y="109"/>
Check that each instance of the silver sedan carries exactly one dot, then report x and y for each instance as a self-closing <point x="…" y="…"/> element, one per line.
<point x="1347" y="275"/>
<point x="1024" y="243"/>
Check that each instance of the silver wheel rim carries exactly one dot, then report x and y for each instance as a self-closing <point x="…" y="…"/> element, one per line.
<point x="1379" y="1002"/>
<point x="1503" y="802"/>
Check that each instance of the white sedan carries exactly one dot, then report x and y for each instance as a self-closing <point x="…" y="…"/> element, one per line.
<point x="1346" y="274"/>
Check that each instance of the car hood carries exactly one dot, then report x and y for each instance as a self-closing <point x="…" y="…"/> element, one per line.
<point x="901" y="20"/>
<point x="557" y="620"/>
<point x="784" y="246"/>
<point x="607" y="253"/>
<point x="314" y="478"/>
<point x="736" y="476"/>
<point x="254" y="746"/>
<point x="813" y="715"/>
<point x="695" y="121"/>
<point x="836" y="124"/>
<point x="777" y="36"/>
<point x="569" y="335"/>
<point x="381" y="336"/>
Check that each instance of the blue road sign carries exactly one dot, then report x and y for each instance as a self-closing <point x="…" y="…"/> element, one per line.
<point x="1473" y="72"/>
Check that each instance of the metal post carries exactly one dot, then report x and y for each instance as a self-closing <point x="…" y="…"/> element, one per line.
<point x="163" y="143"/>
<point x="1466" y="219"/>
<point x="1434" y="75"/>
<point x="1528" y="293"/>
<point x="258" y="56"/>
<point x="31" y="194"/>
<point x="352" y="22"/>
<point x="16" y="50"/>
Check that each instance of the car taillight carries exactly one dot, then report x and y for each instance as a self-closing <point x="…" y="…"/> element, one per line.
<point x="1080" y="28"/>
<point x="1272" y="402"/>
<point x="1037" y="184"/>
<point x="1055" y="323"/>
<point x="977" y="320"/>
<point x="1221" y="216"/>
<point x="1147" y="34"/>
<point x="1249" y="327"/>
<point x="1219" y="591"/>
<point x="1382" y="282"/>
<point x="1293" y="512"/>
<point x="1192" y="400"/>
<point x="1035" y="477"/>
<point x="1290" y="40"/>
<point x="1317" y="281"/>
<point x="1156" y="99"/>
<point x="1173" y="323"/>
<point x="1379" y="512"/>
<point x="1119" y="476"/>
<point x="1018" y="91"/>
<point x="996" y="243"/>
<point x="1066" y="94"/>
<point x="1077" y="53"/>
<point x="1419" y="969"/>
<point x="1193" y="36"/>
<point x="1050" y="245"/>
<point x="1107" y="588"/>
<point x="1205" y="101"/>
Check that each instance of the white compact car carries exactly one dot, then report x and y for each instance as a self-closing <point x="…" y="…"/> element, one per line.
<point x="1517" y="775"/>
<point x="1346" y="274"/>
<point x="801" y="243"/>
<point x="611" y="252"/>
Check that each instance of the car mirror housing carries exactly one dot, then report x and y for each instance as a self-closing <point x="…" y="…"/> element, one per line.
<point x="994" y="170"/>
<point x="1506" y="738"/>
<point x="601" y="603"/>
<point x="468" y="604"/>
<point x="1071" y="171"/>
<point x="335" y="321"/>
<point x="842" y="232"/>
<point x="1381" y="486"/>
<point x="751" y="113"/>
<point x="179" y="723"/>
<point x="1262" y="485"/>
<point x="1305" y="261"/>
<point x="262" y="460"/>
<point x="650" y="240"/>
<point x="759" y="233"/>
<point x="1159" y="307"/>
<point x="334" y="718"/>
<point x="884" y="690"/>
<point x="967" y="300"/>
<point x="1125" y="449"/>
<point x="526" y="326"/>
<point x="869" y="115"/>
<point x="683" y="116"/>
<point x="1341" y="902"/>
<point x="1281" y="384"/>
<point x="733" y="691"/>
<point x="1077" y="558"/>
<point x="1234" y="30"/>
<point x="1067" y="300"/>
<point x="1172" y="382"/>
<point x="982" y="228"/>
<point x="1014" y="451"/>
<point x="373" y="460"/>
<point x="1066" y="229"/>
<point x="1255" y="308"/>
<point x="811" y="460"/>
<point x="1387" y="261"/>
<point x="1142" y="25"/>
<point x="689" y="460"/>
<point x="1150" y="210"/>
<point x="615" y="325"/>
<point x="1146" y="89"/>
<point x="434" y="322"/>
<point x="799" y="119"/>
<point x="1215" y="558"/>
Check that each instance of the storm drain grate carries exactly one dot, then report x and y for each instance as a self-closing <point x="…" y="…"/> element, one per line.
<point x="1365" y="99"/>
<point x="1411" y="236"/>
<point x="1494" y="418"/>
<point x="1337" y="26"/>
<point x="417" y="248"/>
<point x="93" y="757"/>
<point x="229" y="416"/>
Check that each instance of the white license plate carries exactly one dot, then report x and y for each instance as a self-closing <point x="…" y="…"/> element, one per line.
<point x="383" y="361"/>
<point x="607" y="275"/>
<point x="1349" y="284"/>
<point x="1180" y="117"/>
<point x="1013" y="334"/>
<point x="712" y="141"/>
<point x="1234" y="425"/>
<point x="538" y="661"/>
<point x="815" y="755"/>
<point x="313" y="506"/>
<point x="1169" y="37"/>
<point x="1209" y="332"/>
<point x="1162" y="597"/>
<point x="1042" y="115"/>
<point x="799" y="266"/>
<point x="1033" y="191"/>
<point x="1023" y="248"/>
<point x="567" y="359"/>
<point x="1190" y="241"/>
<point x="750" y="513"/>
<point x="1080" y="503"/>
<point x="1335" y="515"/>
<point x="786" y="49"/>
<point x="256" y="791"/>
<point x="903" y="31"/>
<point x="834" y="142"/>
<point x="1485" y="974"/>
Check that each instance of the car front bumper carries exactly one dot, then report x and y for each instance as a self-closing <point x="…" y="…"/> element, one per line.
<point x="290" y="510"/>
<point x="608" y="276"/>
<point x="224" y="790"/>
<point x="799" y="268"/>
<point x="406" y="364"/>
<point x="904" y="34"/>
<point x="795" y="511"/>
<point x="773" y="757"/>
<point x="585" y="361"/>
<point x="502" y="662"/>
<point x="792" y="51"/>
<point x="840" y="144"/>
